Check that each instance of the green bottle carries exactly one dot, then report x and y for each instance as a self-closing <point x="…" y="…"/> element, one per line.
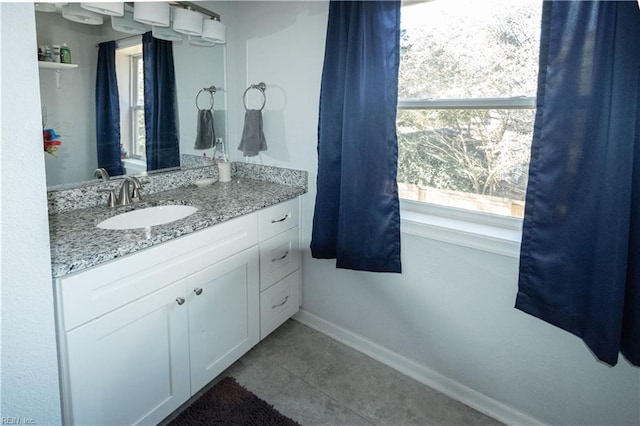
<point x="65" y="54"/>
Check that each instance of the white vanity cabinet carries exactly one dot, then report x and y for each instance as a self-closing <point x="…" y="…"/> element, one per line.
<point x="279" y="264"/>
<point x="141" y="334"/>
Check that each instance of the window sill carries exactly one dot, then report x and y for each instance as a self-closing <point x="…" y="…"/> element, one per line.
<point x="492" y="233"/>
<point x="134" y="165"/>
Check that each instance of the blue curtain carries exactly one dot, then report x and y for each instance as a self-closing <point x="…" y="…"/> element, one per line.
<point x="356" y="218"/>
<point x="580" y="255"/>
<point x="108" y="110"/>
<point x="160" y="110"/>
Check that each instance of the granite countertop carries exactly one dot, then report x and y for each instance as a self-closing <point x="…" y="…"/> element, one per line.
<point x="77" y="244"/>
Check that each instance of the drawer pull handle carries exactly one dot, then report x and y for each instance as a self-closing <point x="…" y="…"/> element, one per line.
<point x="180" y="300"/>
<point x="281" y="257"/>
<point x="283" y="302"/>
<point x="285" y="217"/>
<point x="197" y="291"/>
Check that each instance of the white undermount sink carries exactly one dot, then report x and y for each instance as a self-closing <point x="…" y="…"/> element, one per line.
<point x="150" y="216"/>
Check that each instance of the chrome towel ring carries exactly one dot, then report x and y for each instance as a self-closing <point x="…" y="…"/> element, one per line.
<point x="212" y="90"/>
<point x="261" y="87"/>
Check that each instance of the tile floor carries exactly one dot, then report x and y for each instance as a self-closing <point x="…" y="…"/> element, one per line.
<point x="316" y="380"/>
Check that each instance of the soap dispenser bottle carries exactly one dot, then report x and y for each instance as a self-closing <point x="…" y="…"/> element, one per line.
<point x="65" y="54"/>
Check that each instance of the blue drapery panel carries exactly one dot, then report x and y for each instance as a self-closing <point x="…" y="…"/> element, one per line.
<point x="108" y="110"/>
<point x="580" y="255"/>
<point x="160" y="107"/>
<point x="356" y="218"/>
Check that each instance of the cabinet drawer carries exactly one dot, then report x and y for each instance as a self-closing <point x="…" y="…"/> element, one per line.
<point x="279" y="256"/>
<point x="277" y="219"/>
<point x="99" y="290"/>
<point x="278" y="303"/>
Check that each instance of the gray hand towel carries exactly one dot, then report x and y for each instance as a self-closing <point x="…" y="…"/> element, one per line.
<point x="206" y="137"/>
<point x="252" y="140"/>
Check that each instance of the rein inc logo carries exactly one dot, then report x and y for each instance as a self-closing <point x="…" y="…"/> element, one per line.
<point x="16" y="420"/>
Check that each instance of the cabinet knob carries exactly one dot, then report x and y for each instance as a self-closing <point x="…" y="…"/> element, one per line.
<point x="197" y="291"/>
<point x="180" y="300"/>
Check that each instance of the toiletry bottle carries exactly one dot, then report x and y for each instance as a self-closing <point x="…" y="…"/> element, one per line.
<point x="56" y="52"/>
<point x="65" y="54"/>
<point x="41" y="53"/>
<point x="48" y="56"/>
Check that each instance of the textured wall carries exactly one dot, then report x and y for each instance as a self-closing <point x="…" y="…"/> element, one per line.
<point x="29" y="362"/>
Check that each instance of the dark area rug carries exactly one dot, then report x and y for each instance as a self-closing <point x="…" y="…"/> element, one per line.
<point x="228" y="403"/>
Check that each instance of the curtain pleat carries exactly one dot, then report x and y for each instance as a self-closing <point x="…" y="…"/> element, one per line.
<point x="580" y="254"/>
<point x="356" y="218"/>
<point x="160" y="104"/>
<point x="108" y="110"/>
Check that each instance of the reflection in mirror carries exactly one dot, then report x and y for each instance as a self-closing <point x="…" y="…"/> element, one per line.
<point x="69" y="107"/>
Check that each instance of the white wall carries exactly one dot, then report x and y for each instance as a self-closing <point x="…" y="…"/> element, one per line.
<point x="451" y="311"/>
<point x="284" y="50"/>
<point x="29" y="372"/>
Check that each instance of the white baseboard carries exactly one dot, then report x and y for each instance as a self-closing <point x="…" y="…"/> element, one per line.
<point x="419" y="372"/>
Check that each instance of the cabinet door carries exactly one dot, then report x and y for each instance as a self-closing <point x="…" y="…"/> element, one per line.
<point x="224" y="314"/>
<point x="132" y="365"/>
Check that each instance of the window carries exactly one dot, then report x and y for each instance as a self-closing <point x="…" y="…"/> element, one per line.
<point x="130" y="75"/>
<point x="137" y="107"/>
<point x="468" y="77"/>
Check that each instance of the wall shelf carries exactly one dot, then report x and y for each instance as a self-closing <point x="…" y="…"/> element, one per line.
<point x="57" y="67"/>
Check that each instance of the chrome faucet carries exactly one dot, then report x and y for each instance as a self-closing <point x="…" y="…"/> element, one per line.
<point x="101" y="173"/>
<point x="127" y="197"/>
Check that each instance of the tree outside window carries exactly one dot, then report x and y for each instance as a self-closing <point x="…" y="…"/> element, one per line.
<point x="468" y="77"/>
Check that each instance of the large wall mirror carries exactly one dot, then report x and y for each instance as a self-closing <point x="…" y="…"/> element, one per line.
<point x="68" y="96"/>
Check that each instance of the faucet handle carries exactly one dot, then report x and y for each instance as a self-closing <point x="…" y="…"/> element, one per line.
<point x="137" y="186"/>
<point x="111" y="200"/>
<point x="135" y="194"/>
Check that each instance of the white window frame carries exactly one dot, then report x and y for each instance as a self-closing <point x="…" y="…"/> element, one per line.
<point x="516" y="102"/>
<point x="468" y="228"/>
<point x="133" y="102"/>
